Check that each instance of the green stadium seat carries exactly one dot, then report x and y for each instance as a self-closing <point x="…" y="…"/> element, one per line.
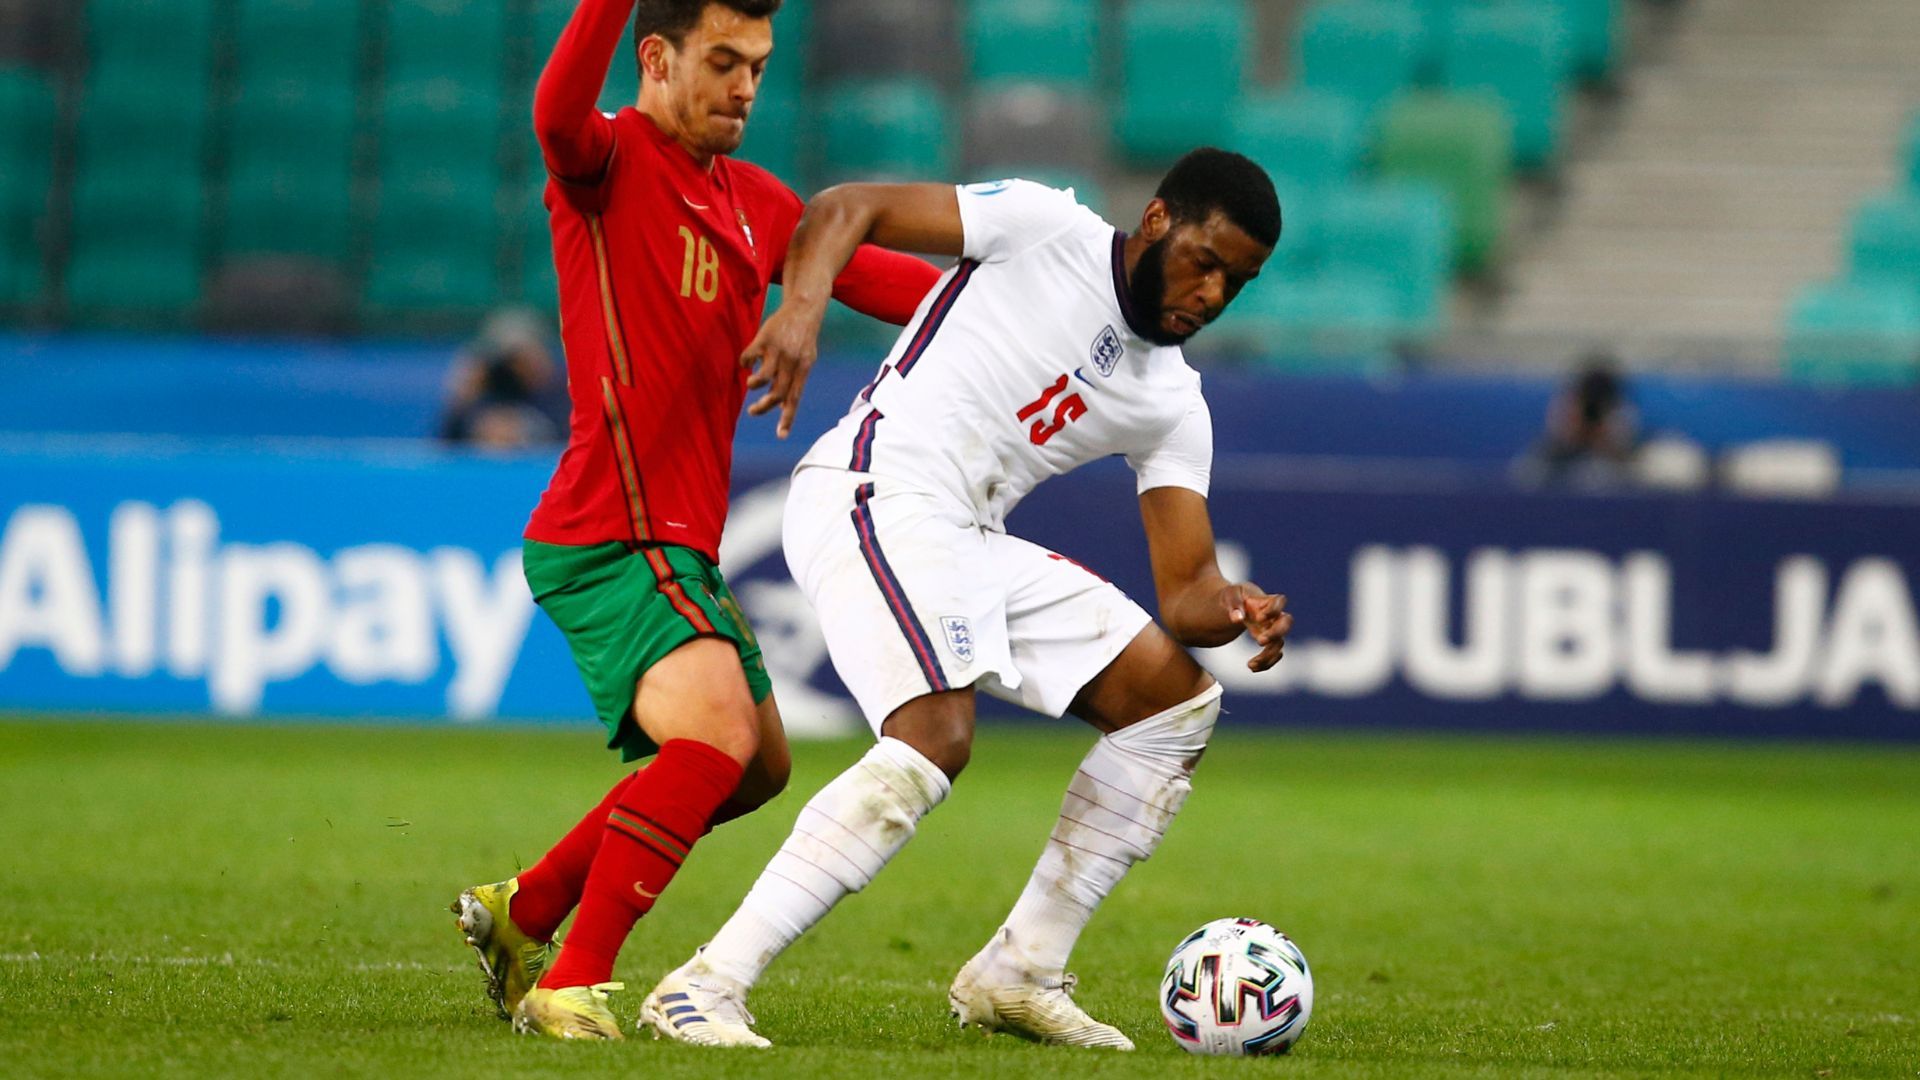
<point x="440" y="120"/>
<point x="1854" y="333"/>
<point x="896" y="128"/>
<point x="1517" y="52"/>
<point x="128" y="121"/>
<point x="1309" y="137"/>
<point x="1299" y="250"/>
<point x="1313" y="325"/>
<point x="1884" y="241"/>
<point x="135" y="243"/>
<point x="1461" y="144"/>
<point x="433" y="239"/>
<point x="1399" y="233"/>
<point x="288" y="208"/>
<point x="310" y="40"/>
<point x="1182" y="65"/>
<point x="129" y="36"/>
<point x="1364" y="50"/>
<point x="27" y="117"/>
<point x="291" y="121"/>
<point x="1598" y="29"/>
<point x="1910" y="147"/>
<point x="792" y="45"/>
<point x="774" y="136"/>
<point x="464" y="40"/>
<point x="1051" y="41"/>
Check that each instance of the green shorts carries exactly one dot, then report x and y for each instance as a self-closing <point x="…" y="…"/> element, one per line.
<point x="624" y="609"/>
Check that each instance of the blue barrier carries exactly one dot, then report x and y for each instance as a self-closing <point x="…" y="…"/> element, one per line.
<point x="293" y="580"/>
<point x="198" y="388"/>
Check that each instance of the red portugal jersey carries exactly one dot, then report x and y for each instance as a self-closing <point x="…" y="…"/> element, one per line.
<point x="663" y="268"/>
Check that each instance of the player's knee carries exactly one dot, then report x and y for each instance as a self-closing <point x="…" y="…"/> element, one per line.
<point x="738" y="737"/>
<point x="942" y="736"/>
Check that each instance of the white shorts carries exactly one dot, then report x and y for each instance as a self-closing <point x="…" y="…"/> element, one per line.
<point x="914" y="598"/>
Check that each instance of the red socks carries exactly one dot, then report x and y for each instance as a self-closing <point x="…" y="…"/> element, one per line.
<point x="549" y="891"/>
<point x="652" y="822"/>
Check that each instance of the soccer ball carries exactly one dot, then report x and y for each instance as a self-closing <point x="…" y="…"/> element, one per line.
<point x="1236" y="986"/>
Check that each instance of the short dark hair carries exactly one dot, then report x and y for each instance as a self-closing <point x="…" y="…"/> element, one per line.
<point x="1209" y="179"/>
<point x="671" y="19"/>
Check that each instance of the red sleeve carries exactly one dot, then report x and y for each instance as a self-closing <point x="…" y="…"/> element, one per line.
<point x="884" y="284"/>
<point x="576" y="139"/>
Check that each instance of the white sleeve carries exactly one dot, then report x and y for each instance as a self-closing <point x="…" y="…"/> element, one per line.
<point x="1184" y="458"/>
<point x="1005" y="217"/>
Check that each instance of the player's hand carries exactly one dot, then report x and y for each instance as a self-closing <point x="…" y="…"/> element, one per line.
<point x="1265" y="618"/>
<point x="780" y="357"/>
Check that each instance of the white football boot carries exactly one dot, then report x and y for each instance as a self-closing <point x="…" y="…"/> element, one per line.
<point x="1029" y="1005"/>
<point x="694" y="1004"/>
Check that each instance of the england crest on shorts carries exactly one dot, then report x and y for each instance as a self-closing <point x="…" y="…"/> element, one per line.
<point x="1107" y="351"/>
<point x="959" y="636"/>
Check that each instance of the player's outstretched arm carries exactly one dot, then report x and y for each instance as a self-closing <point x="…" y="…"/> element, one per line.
<point x="1198" y="605"/>
<point x="576" y="139"/>
<point x="923" y="218"/>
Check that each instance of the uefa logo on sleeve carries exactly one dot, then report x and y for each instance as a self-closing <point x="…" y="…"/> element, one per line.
<point x="1107" y="350"/>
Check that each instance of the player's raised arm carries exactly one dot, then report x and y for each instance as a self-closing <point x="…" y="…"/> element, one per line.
<point x="905" y="217"/>
<point x="576" y="139"/>
<point x="1198" y="605"/>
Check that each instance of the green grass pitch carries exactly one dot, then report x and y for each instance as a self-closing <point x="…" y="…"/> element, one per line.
<point x="189" y="900"/>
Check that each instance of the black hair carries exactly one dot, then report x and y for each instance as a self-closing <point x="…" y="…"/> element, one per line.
<point x="1210" y="179"/>
<point x="671" y="19"/>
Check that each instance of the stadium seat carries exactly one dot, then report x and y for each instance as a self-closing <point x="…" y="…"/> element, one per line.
<point x="27" y="116"/>
<point x="1322" y="324"/>
<point x="288" y="208"/>
<point x="1182" y="66"/>
<point x="1884" y="244"/>
<point x="309" y="40"/>
<point x="1365" y="50"/>
<point x="1854" y="332"/>
<point x="774" y="136"/>
<point x="128" y="121"/>
<point x="1461" y="144"/>
<point x="861" y="39"/>
<point x="135" y="243"/>
<point x="1597" y="28"/>
<point x="260" y="119"/>
<point x="433" y="239"/>
<point x="1299" y="250"/>
<point x="1050" y="41"/>
<point x="465" y="40"/>
<point x="434" y="121"/>
<point x="1518" y="52"/>
<point x="886" y="127"/>
<point x="1399" y="233"/>
<point x="1910" y="146"/>
<point x="130" y="36"/>
<point x="1309" y="137"/>
<point x="1034" y="124"/>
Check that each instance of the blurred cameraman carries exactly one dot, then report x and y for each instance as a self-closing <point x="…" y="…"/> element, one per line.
<point x="505" y="391"/>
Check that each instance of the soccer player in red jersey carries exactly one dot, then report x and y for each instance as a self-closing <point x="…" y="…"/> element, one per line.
<point x="665" y="248"/>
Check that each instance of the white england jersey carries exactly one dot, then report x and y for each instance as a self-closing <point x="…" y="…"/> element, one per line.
<point x="1023" y="363"/>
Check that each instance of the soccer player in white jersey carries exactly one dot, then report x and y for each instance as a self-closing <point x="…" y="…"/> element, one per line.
<point x="1053" y="342"/>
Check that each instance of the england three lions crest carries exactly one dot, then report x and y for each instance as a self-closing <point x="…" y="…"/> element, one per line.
<point x="959" y="633"/>
<point x="1107" y="351"/>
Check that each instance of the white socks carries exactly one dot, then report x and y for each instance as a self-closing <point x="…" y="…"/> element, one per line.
<point x="1128" y="789"/>
<point x="844" y="835"/>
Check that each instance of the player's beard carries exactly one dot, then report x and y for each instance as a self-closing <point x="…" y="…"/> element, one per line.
<point x="1147" y="288"/>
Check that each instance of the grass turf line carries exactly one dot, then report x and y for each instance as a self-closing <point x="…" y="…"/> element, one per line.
<point x="190" y="899"/>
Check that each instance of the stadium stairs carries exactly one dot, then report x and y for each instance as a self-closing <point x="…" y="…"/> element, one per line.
<point x="1723" y="182"/>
